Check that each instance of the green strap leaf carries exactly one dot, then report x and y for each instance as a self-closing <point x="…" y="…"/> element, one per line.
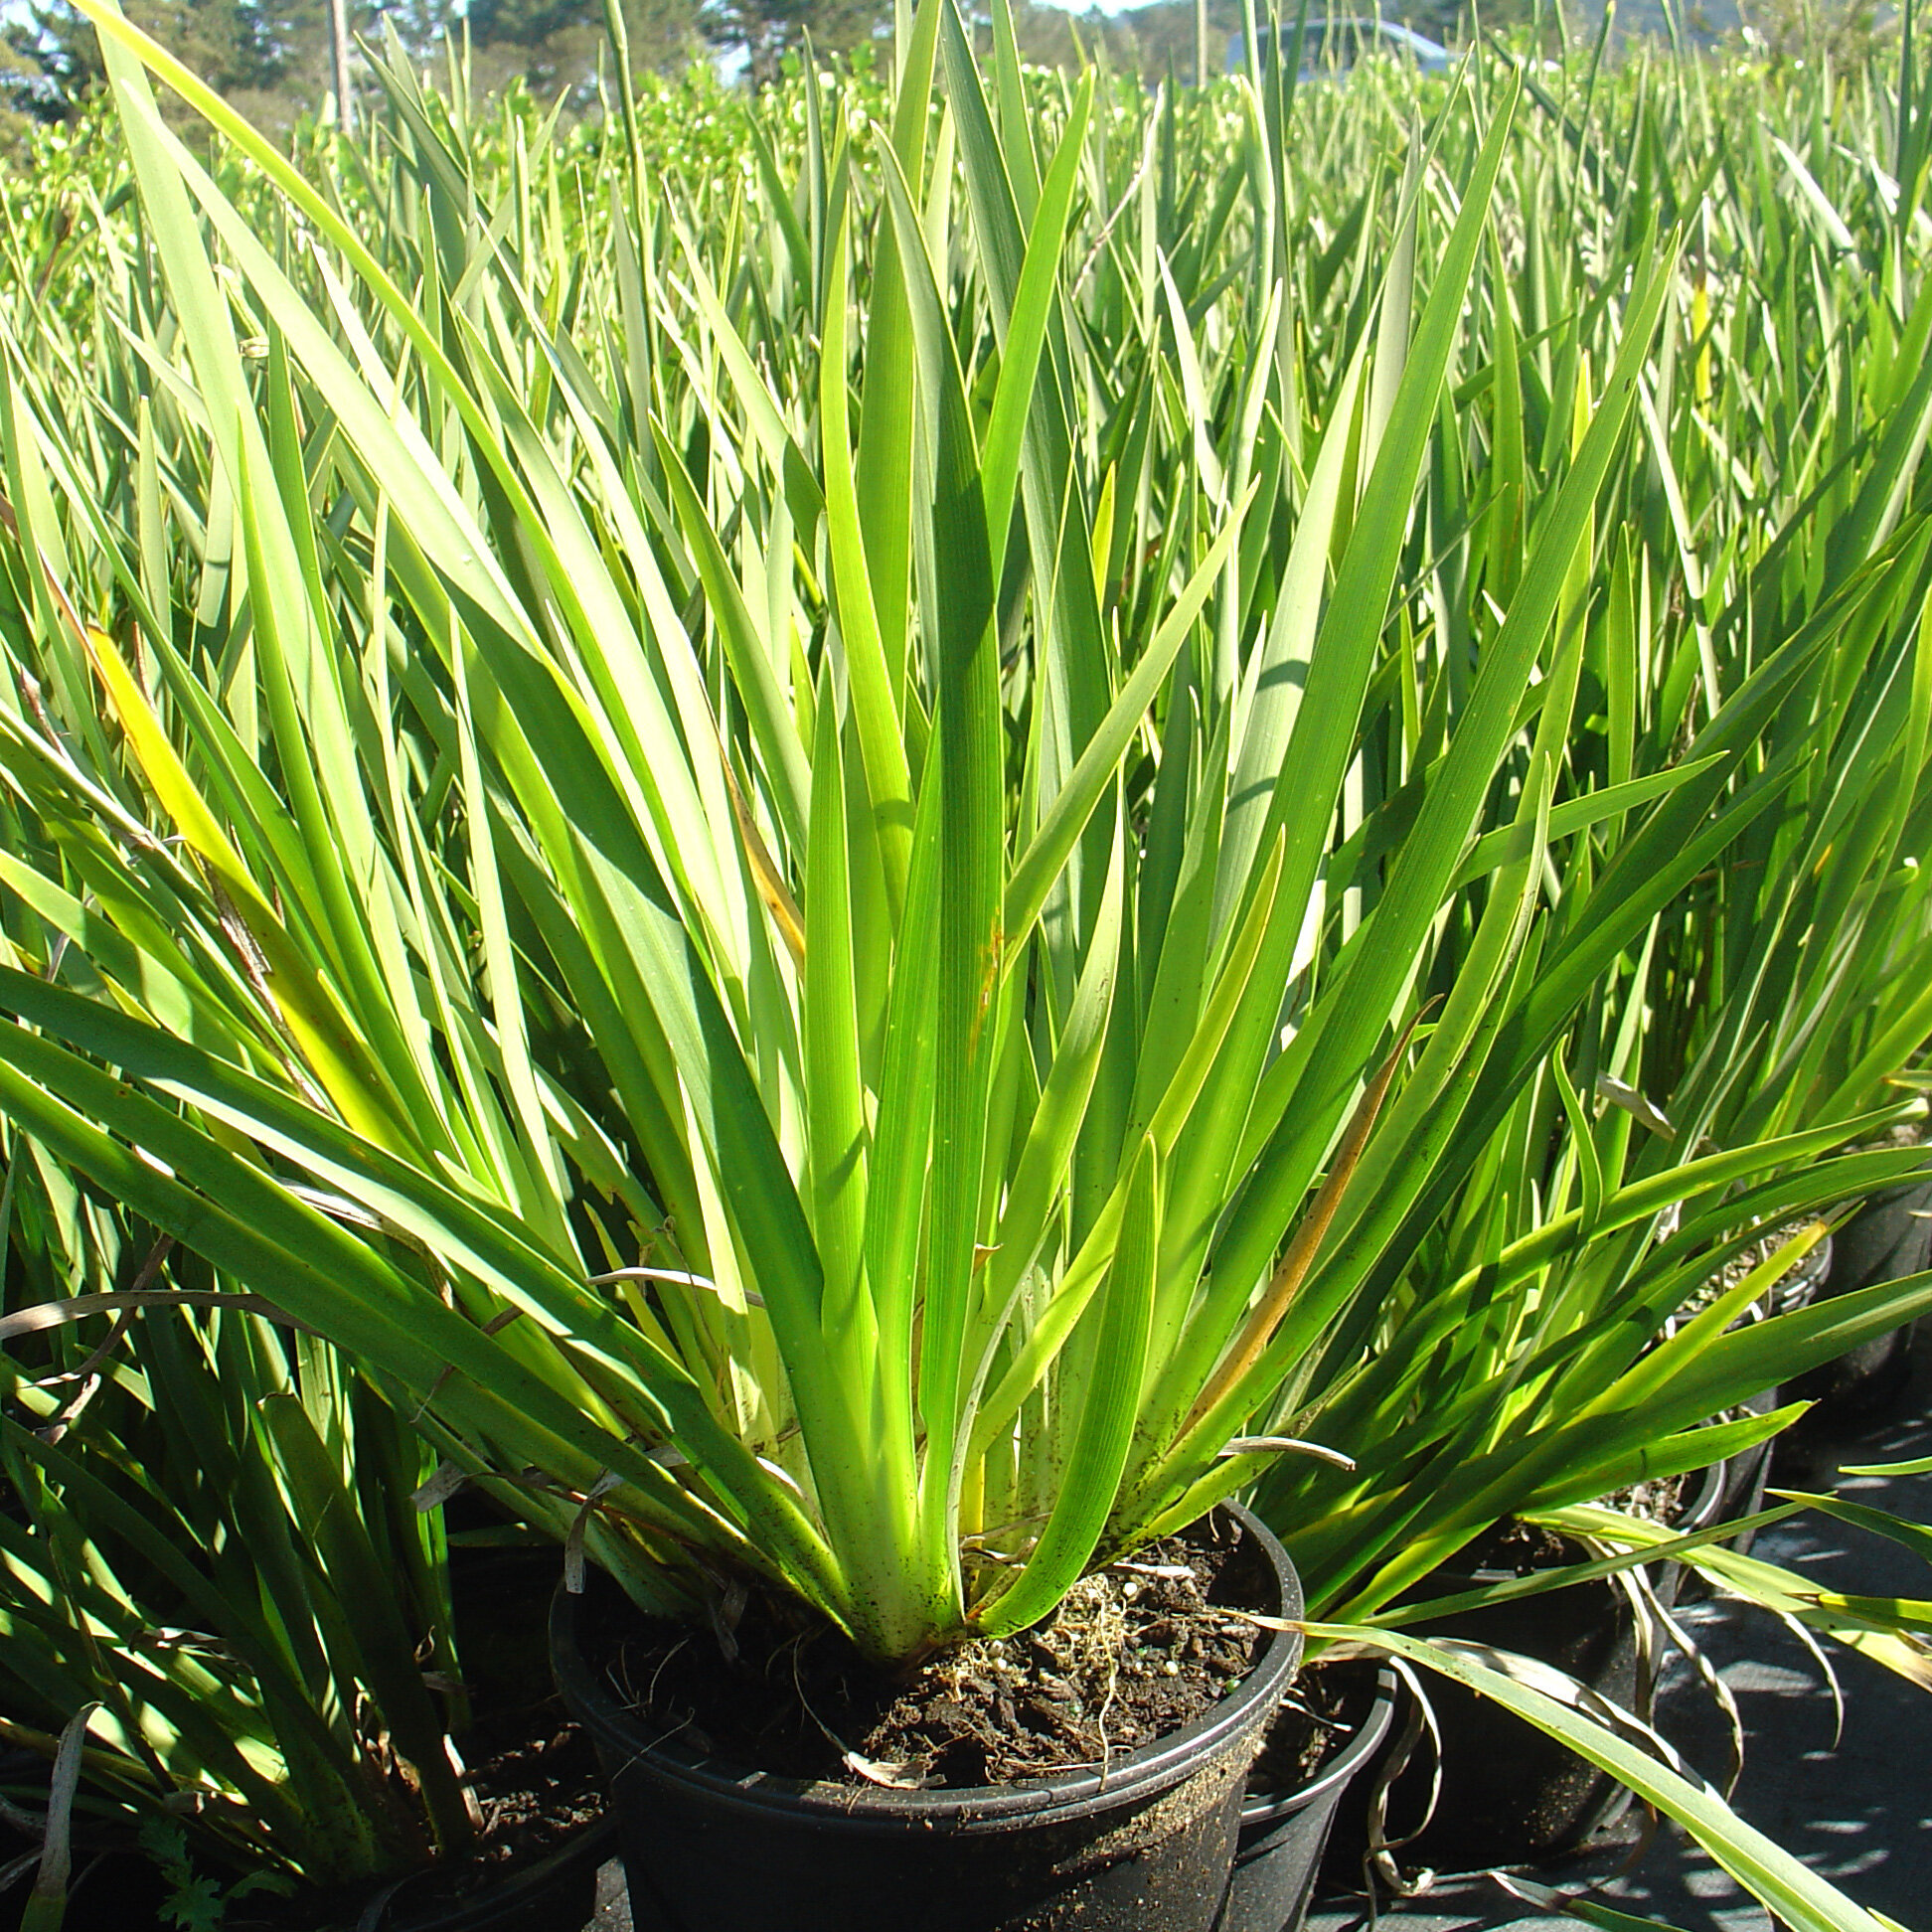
<point x="1108" y="1394"/>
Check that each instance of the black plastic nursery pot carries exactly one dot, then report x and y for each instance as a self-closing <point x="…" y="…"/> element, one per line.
<point x="1889" y="1237"/>
<point x="1722" y="1493"/>
<point x="1145" y="1845"/>
<point x="123" y="1892"/>
<point x="1509" y="1795"/>
<point x="1741" y="1488"/>
<point x="502" y="1603"/>
<point x="1284" y="1834"/>
<point x="554" y="1893"/>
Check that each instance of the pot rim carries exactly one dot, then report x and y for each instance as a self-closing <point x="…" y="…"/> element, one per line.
<point x="1267" y="1806"/>
<point x="1698" y="1508"/>
<point x="1704" y="1504"/>
<point x="1138" y="1775"/>
<point x="593" y="1842"/>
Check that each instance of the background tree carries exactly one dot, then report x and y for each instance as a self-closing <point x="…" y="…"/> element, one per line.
<point x="767" y="30"/>
<point x="56" y="61"/>
<point x="271" y="57"/>
<point x="253" y="51"/>
<point x="555" y="45"/>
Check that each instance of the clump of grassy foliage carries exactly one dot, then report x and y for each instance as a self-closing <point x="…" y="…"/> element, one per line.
<point x="889" y="834"/>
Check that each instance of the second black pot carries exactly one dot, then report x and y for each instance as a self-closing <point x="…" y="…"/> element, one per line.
<point x="1285" y="1832"/>
<point x="554" y="1893"/>
<point x="717" y="1848"/>
<point x="1509" y="1795"/>
<point x="1722" y="1493"/>
<point x="122" y="1890"/>
<point x="1888" y="1239"/>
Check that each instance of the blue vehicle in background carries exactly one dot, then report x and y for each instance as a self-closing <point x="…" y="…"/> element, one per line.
<point x="1332" y="47"/>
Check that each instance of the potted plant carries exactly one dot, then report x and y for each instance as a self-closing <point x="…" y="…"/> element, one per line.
<point x="849" y="982"/>
<point x="1533" y="1425"/>
<point x="754" y="979"/>
<point x="1886" y="1238"/>
<point x="219" y="1588"/>
<point x="1780" y="990"/>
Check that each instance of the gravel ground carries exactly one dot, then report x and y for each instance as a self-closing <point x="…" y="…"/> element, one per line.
<point x="1861" y="1812"/>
